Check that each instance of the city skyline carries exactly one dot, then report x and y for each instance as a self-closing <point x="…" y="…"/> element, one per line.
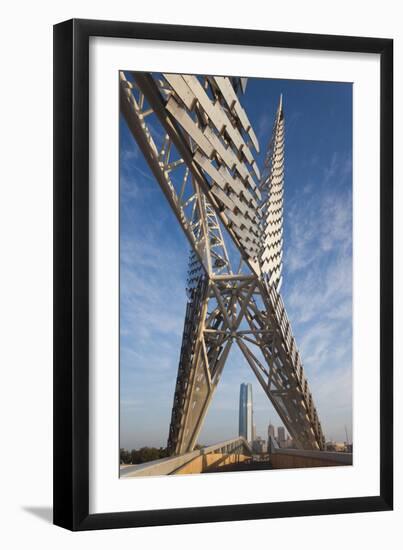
<point x="317" y="271"/>
<point x="247" y="427"/>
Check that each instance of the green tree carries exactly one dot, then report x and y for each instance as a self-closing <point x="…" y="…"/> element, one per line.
<point x="125" y="456"/>
<point x="146" y="454"/>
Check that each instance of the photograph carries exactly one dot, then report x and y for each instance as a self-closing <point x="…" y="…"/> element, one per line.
<point x="235" y="223"/>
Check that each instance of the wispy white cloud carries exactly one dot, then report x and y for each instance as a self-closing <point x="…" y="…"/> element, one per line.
<point x="129" y="153"/>
<point x="264" y="127"/>
<point x="320" y="222"/>
<point x="318" y="289"/>
<point x="317" y="292"/>
<point x="152" y="289"/>
<point x="332" y="391"/>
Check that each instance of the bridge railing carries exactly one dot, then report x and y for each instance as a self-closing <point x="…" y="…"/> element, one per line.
<point x="297" y="458"/>
<point x="173" y="464"/>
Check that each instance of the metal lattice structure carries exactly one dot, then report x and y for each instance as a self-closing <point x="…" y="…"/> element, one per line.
<point x="199" y="144"/>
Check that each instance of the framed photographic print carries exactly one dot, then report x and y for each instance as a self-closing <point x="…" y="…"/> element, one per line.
<point x="223" y="320"/>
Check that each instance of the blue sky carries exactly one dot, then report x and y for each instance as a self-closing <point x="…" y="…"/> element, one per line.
<point x="317" y="282"/>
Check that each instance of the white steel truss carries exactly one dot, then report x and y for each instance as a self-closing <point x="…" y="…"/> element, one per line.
<point x="197" y="140"/>
<point x="272" y="189"/>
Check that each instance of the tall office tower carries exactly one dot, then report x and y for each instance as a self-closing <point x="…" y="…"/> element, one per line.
<point x="281" y="436"/>
<point x="271" y="431"/>
<point x="246" y="412"/>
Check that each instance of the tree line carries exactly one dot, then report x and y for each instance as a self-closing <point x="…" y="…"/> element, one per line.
<point x="144" y="454"/>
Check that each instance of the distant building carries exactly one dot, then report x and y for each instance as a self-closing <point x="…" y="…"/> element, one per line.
<point x="281" y="435"/>
<point x="246" y="412"/>
<point x="336" y="446"/>
<point x="289" y="443"/>
<point x="259" y="445"/>
<point x="253" y="432"/>
<point x="271" y="431"/>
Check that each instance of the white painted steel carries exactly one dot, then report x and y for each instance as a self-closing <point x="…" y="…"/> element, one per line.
<point x="207" y="171"/>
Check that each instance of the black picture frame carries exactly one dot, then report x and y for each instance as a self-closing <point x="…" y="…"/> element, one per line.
<point x="71" y="274"/>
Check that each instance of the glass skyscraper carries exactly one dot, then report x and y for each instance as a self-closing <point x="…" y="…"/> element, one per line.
<point x="246" y="412"/>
